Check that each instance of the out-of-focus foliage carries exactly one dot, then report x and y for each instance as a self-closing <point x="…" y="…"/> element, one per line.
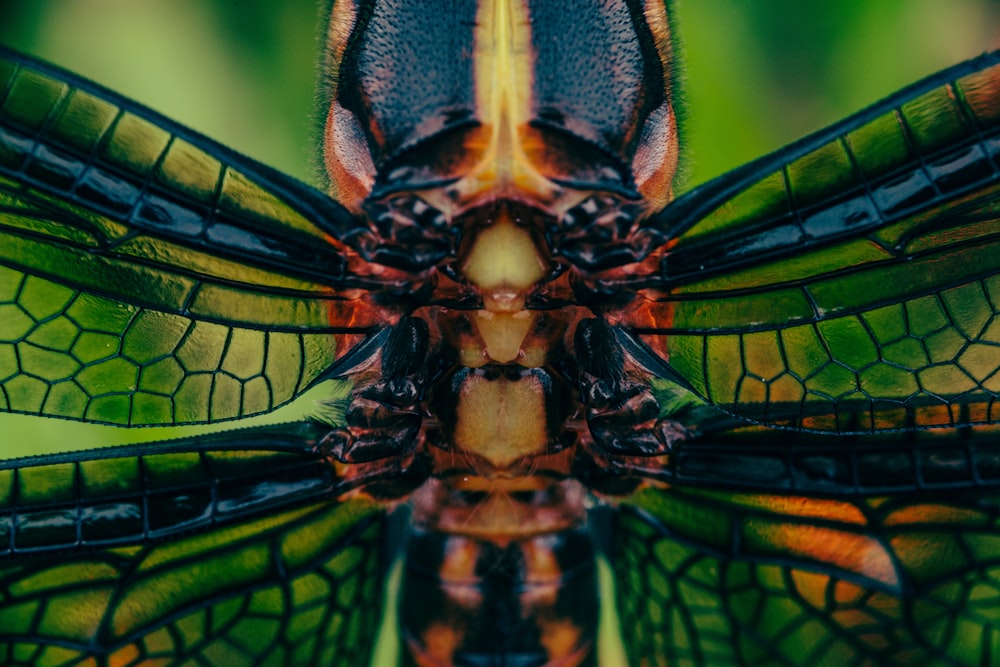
<point x="761" y="74"/>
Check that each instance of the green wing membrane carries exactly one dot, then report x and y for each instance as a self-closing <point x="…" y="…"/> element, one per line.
<point x="225" y="550"/>
<point x="849" y="282"/>
<point x="715" y="578"/>
<point x="150" y="276"/>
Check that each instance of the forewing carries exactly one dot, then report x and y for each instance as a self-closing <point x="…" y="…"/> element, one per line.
<point x="849" y="282"/>
<point x="151" y="276"/>
<point x="228" y="549"/>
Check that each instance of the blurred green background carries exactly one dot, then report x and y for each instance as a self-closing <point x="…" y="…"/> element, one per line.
<point x="757" y="75"/>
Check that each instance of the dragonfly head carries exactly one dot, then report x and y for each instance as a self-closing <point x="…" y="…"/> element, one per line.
<point x="528" y="115"/>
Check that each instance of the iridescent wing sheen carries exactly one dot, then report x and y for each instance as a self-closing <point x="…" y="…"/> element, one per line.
<point x="721" y="578"/>
<point x="151" y="276"/>
<point x="847" y="283"/>
<point x="221" y="550"/>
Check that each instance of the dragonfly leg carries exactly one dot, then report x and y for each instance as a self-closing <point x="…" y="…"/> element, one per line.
<point x="622" y="412"/>
<point x="384" y="417"/>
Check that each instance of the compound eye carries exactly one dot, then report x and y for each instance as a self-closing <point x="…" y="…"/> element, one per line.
<point x="573" y="162"/>
<point x="432" y="163"/>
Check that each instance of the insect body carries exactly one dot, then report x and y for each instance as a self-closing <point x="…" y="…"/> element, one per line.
<point x="495" y="180"/>
<point x="524" y="321"/>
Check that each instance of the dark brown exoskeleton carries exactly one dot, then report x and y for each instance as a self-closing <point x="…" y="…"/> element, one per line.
<point x="502" y="153"/>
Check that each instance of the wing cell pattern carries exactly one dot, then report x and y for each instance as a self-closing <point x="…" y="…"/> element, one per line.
<point x="299" y="587"/>
<point x="227" y="549"/>
<point x="720" y="578"/>
<point x="67" y="353"/>
<point x="127" y="495"/>
<point x="149" y="276"/>
<point x="933" y="360"/>
<point x="854" y="287"/>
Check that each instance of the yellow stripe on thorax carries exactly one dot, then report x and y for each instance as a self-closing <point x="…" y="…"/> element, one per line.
<point x="504" y="72"/>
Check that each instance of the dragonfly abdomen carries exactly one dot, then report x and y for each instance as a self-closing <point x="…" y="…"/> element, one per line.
<point x="473" y="602"/>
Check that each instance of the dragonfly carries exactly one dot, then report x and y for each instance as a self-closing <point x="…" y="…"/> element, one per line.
<point x="784" y="380"/>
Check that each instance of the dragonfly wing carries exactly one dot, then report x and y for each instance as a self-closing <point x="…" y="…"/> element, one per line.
<point x="721" y="578"/>
<point x="151" y="276"/>
<point x="226" y="549"/>
<point x="847" y="283"/>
